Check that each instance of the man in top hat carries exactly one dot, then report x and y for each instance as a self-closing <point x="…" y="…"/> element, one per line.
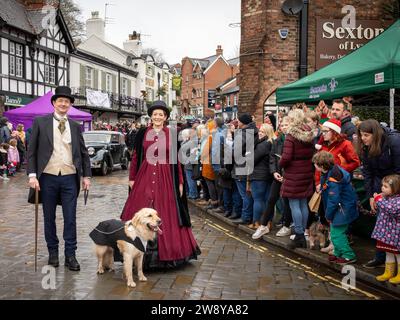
<point x="57" y="159"/>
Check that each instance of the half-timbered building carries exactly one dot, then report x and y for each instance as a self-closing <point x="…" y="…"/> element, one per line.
<point x="35" y="45"/>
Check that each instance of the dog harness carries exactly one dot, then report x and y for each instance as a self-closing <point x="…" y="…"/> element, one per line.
<point x="107" y="233"/>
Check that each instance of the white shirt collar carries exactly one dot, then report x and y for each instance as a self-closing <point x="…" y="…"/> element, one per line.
<point x="59" y="117"/>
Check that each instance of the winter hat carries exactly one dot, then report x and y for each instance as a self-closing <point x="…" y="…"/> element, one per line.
<point x="333" y="124"/>
<point x="3" y="121"/>
<point x="272" y="119"/>
<point x="245" y="118"/>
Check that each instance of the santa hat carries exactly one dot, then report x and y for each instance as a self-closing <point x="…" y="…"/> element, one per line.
<point x="333" y="124"/>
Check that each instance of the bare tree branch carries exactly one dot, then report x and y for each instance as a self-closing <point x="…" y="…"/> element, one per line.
<point x="157" y="55"/>
<point x="72" y="15"/>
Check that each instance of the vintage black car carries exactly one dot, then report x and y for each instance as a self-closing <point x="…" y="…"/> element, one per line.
<point x="107" y="149"/>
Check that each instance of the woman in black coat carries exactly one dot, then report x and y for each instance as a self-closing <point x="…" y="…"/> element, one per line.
<point x="261" y="178"/>
<point x="274" y="195"/>
<point x="379" y="150"/>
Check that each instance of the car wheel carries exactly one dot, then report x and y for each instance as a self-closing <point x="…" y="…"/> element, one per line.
<point x="124" y="164"/>
<point x="104" y="168"/>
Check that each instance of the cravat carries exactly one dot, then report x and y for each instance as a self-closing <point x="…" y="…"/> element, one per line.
<point x="61" y="126"/>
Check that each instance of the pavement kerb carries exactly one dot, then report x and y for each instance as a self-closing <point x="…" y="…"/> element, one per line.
<point x="312" y="255"/>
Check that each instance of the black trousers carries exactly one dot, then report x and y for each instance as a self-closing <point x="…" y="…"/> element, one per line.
<point x="273" y="198"/>
<point x="64" y="188"/>
<point x="206" y="194"/>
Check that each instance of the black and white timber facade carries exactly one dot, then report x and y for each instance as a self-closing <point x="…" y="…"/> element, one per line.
<point x="34" y="56"/>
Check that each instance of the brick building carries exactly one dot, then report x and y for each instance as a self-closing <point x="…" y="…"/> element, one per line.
<point x="199" y="76"/>
<point x="227" y="98"/>
<point x="268" y="60"/>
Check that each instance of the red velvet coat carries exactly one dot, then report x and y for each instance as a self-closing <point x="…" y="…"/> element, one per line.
<point x="296" y="161"/>
<point x="155" y="187"/>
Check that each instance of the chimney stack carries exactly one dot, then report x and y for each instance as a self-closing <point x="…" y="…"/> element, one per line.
<point x="219" y="51"/>
<point x="134" y="44"/>
<point x="95" y="26"/>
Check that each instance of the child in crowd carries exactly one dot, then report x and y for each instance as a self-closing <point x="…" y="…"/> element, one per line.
<point x="4" y="161"/>
<point x="13" y="157"/>
<point x="387" y="228"/>
<point x="340" y="202"/>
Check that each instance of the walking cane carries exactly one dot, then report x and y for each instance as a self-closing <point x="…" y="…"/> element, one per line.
<point x="36" y="224"/>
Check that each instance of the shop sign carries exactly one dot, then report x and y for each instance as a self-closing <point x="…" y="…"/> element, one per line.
<point x="333" y="41"/>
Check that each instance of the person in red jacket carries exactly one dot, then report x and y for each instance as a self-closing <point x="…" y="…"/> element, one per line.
<point x="342" y="149"/>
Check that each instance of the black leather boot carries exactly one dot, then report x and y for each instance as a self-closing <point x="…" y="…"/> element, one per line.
<point x="227" y="214"/>
<point x="72" y="263"/>
<point x="53" y="260"/>
<point x="299" y="241"/>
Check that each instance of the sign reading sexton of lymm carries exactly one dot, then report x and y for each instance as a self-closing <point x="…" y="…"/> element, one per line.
<point x="333" y="41"/>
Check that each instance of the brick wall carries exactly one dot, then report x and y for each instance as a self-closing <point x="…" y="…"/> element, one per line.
<point x="215" y="75"/>
<point x="267" y="61"/>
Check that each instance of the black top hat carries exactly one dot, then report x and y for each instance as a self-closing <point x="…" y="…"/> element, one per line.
<point x="63" y="91"/>
<point x="158" y="105"/>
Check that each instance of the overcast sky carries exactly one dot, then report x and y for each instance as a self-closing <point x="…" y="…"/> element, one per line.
<point x="177" y="28"/>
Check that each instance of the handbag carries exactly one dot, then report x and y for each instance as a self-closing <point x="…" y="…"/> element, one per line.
<point x="315" y="202"/>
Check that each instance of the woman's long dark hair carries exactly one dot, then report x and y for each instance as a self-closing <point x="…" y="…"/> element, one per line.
<point x="373" y="127"/>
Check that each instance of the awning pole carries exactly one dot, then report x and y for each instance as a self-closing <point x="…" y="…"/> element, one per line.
<point x="392" y="108"/>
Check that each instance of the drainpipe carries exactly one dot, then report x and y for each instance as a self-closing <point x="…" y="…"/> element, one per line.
<point x="119" y="89"/>
<point x="205" y="96"/>
<point x="32" y="57"/>
<point x="303" y="40"/>
<point x="68" y="67"/>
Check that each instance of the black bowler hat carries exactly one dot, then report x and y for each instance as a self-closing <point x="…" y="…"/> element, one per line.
<point x="158" y="105"/>
<point x="64" y="92"/>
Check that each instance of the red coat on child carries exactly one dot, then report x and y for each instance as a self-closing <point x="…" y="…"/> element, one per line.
<point x="344" y="156"/>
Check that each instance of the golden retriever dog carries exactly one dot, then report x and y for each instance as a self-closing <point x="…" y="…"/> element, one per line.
<point x="130" y="238"/>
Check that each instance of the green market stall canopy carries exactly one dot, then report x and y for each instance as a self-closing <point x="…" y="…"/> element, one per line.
<point x="373" y="67"/>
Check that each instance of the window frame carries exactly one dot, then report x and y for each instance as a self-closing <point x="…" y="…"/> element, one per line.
<point x="124" y="87"/>
<point x="150" y="94"/>
<point x="50" y="66"/>
<point x="88" y="71"/>
<point x="108" y="82"/>
<point x="16" y="61"/>
<point x="151" y="72"/>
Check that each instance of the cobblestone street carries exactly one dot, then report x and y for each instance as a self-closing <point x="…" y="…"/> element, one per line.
<point x="231" y="265"/>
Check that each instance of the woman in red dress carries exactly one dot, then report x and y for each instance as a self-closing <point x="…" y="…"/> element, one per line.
<point x="156" y="180"/>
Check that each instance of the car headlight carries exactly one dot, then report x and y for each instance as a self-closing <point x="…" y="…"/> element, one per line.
<point x="91" y="151"/>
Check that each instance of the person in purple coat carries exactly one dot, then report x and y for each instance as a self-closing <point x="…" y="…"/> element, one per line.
<point x="387" y="228"/>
